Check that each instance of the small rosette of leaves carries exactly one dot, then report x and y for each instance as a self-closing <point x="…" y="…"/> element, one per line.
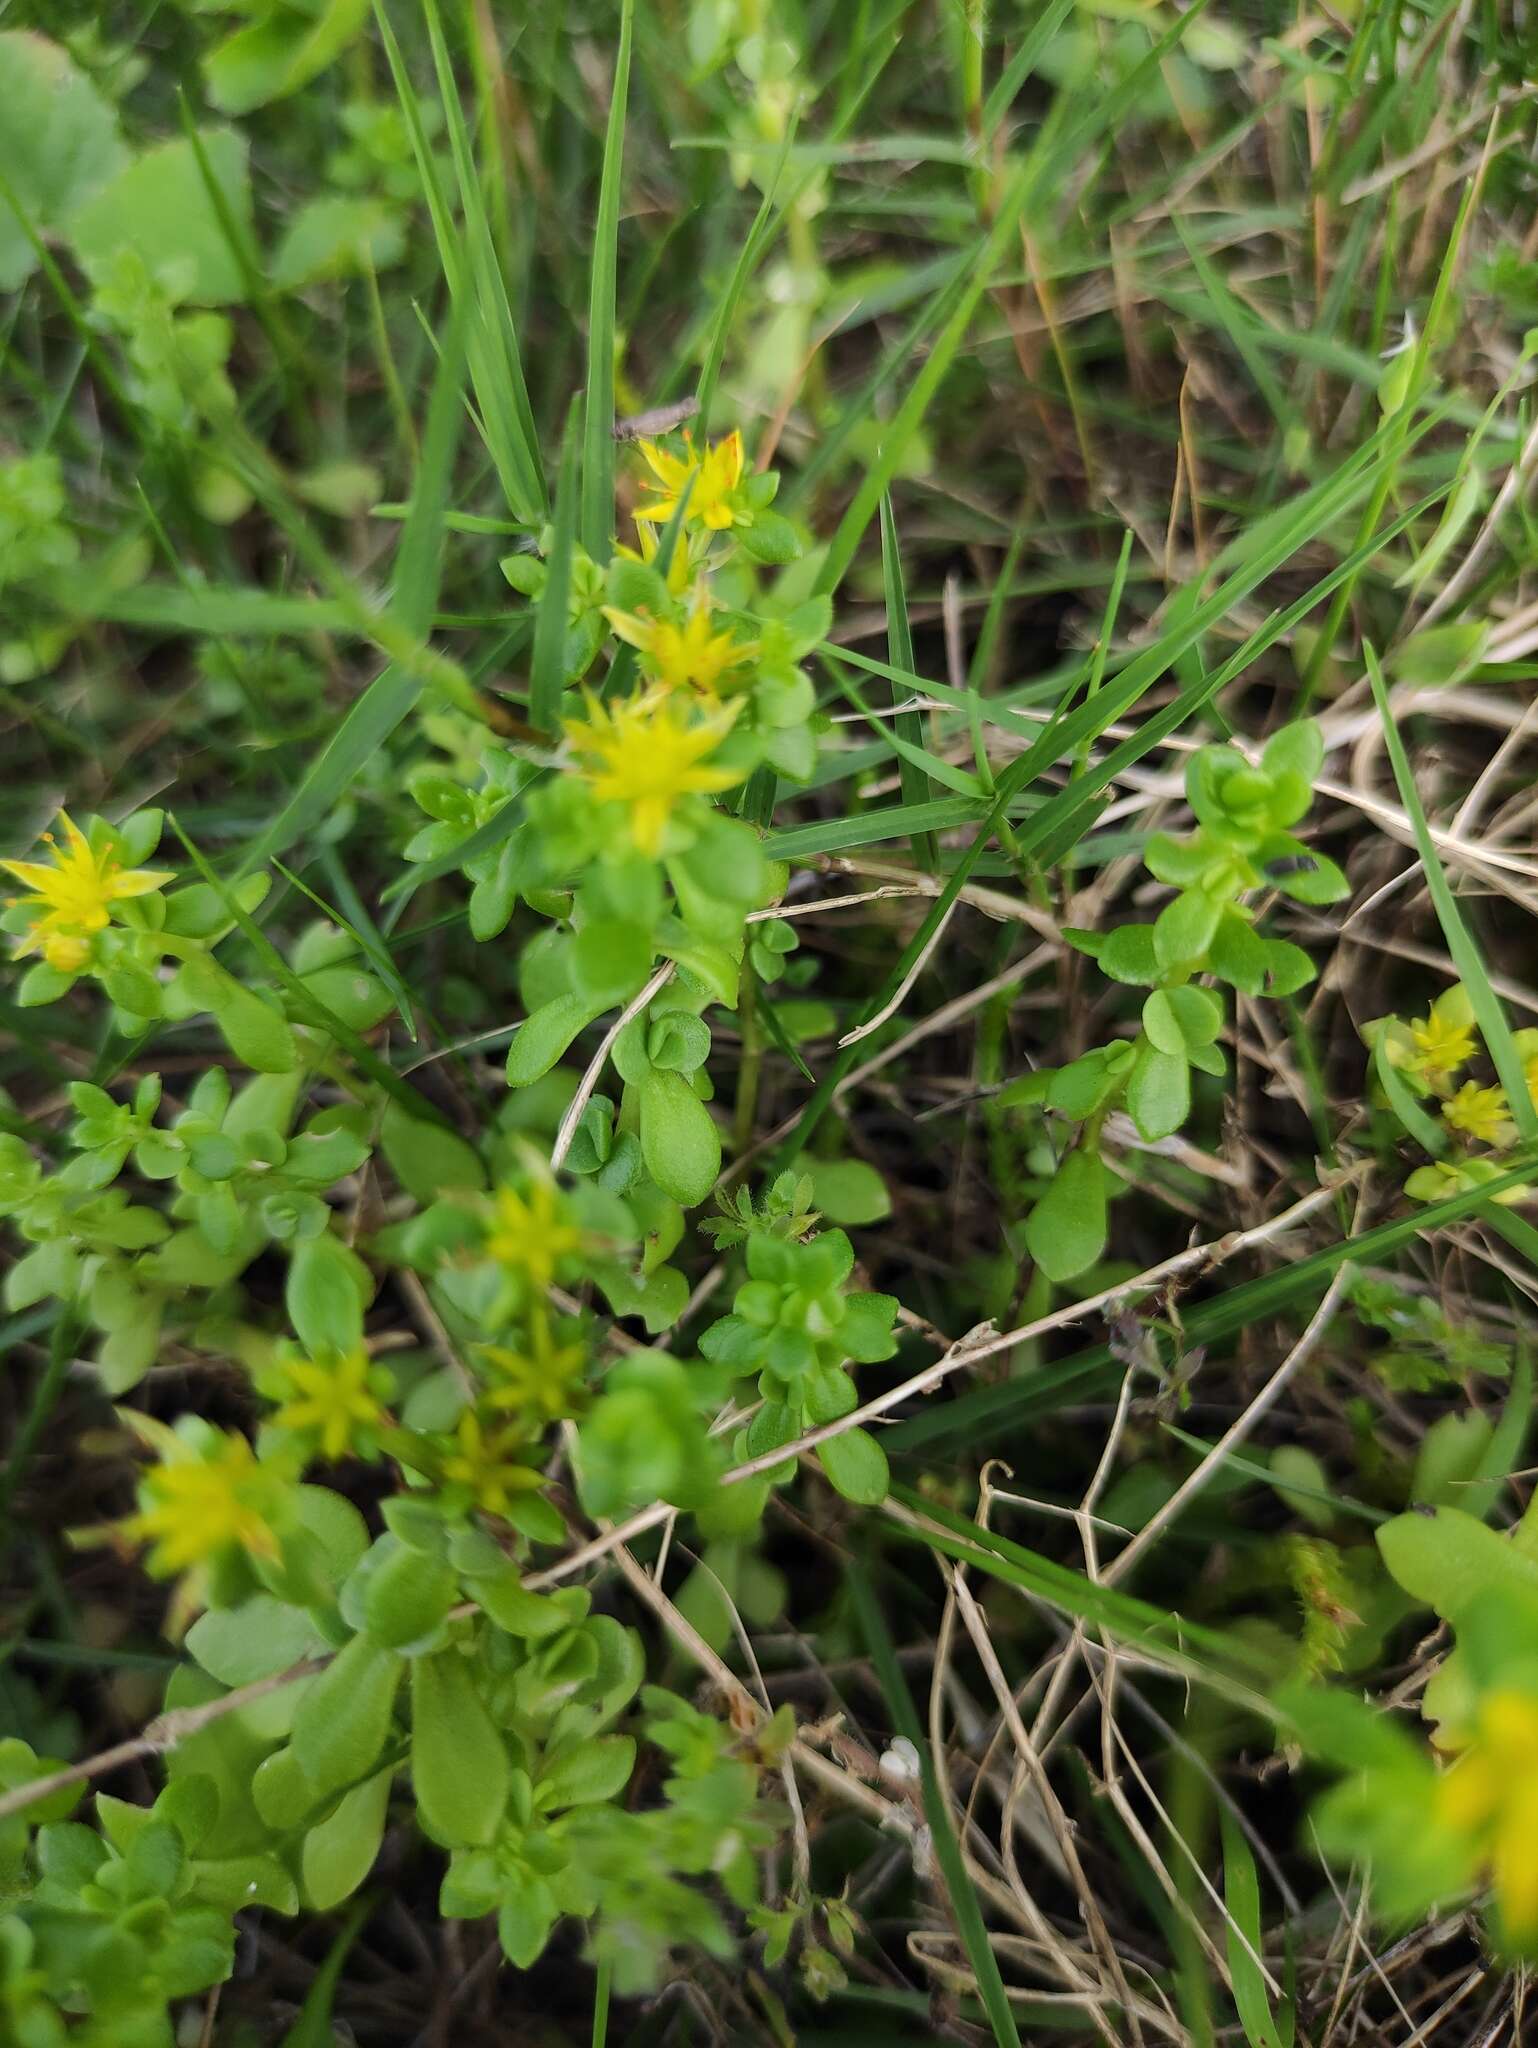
<point x="794" y="1325"/>
<point x="1242" y="843"/>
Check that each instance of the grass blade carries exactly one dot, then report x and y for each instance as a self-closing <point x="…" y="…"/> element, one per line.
<point x="1023" y="62"/>
<point x="547" y="671"/>
<point x="475" y="282"/>
<point x="871" y="828"/>
<point x="1488" y="1013"/>
<point x="958" y="1883"/>
<point x="1164" y="1634"/>
<point x="419" y="557"/>
<point x="395" y="690"/>
<point x="1241" y="1895"/>
<point x="598" y="407"/>
<point x="908" y="725"/>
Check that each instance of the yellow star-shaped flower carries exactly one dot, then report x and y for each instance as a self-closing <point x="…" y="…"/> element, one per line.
<point x="488" y="1464"/>
<point x="682" y="656"/>
<point x="532" y="1233"/>
<point x="73" y="898"/>
<point x="716" y="475"/>
<point x="539" y="1382"/>
<point x="195" y="1504"/>
<point x="1442" y="1041"/>
<point x="648" y="755"/>
<point x="1481" y="1113"/>
<point x="335" y="1399"/>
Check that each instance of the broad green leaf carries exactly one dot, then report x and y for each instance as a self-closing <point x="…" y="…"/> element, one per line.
<point x="1078" y="1089"/>
<point x="279" y="52"/>
<point x="1180" y="1020"/>
<point x="1298" y="749"/>
<point x="407" y="1597"/>
<point x="856" y="1467"/>
<point x="343" y="1721"/>
<point x="545" y="1034"/>
<point x="1302" y="1482"/>
<point x="1128" y="954"/>
<point x="679" y="1139"/>
<point x="1444" y="1558"/>
<point x="1441" y="655"/>
<point x="459" y="1762"/>
<point x="581" y="1776"/>
<point x="325" y="1295"/>
<point x="347" y="992"/>
<point x="261" y="1636"/>
<point x="255" y="1030"/>
<point x="848" y="1191"/>
<point x="338" y="237"/>
<point x="1159" y="1092"/>
<point x="59" y="145"/>
<point x="1185" y="928"/>
<point x="160" y="206"/>
<point x="282" y="1794"/>
<point x="1067" y="1227"/>
<point x="427" y="1159"/>
<point x="1449" y="1455"/>
<point x="234" y="1883"/>
<point x="339" y="1853"/>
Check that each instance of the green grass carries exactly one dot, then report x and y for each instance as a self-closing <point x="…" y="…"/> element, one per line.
<point x="1079" y="323"/>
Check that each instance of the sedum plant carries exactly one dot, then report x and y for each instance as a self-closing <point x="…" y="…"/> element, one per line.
<point x="1205" y="938"/>
<point x="1421" y="1067"/>
<point x="425" y="1665"/>
<point x="402" y="1665"/>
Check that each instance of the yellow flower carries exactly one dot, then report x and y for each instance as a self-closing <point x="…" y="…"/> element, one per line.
<point x="195" y="1504"/>
<point x="73" y="899"/>
<point x="1491" y="1795"/>
<point x="335" y="1397"/>
<point x="488" y="1464"/>
<point x="679" y="656"/>
<point x="540" y="1382"/>
<point x="1480" y="1113"/>
<point x="1442" y="1041"/>
<point x="648" y="755"/>
<point x="716" y="475"/>
<point x="532" y="1233"/>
